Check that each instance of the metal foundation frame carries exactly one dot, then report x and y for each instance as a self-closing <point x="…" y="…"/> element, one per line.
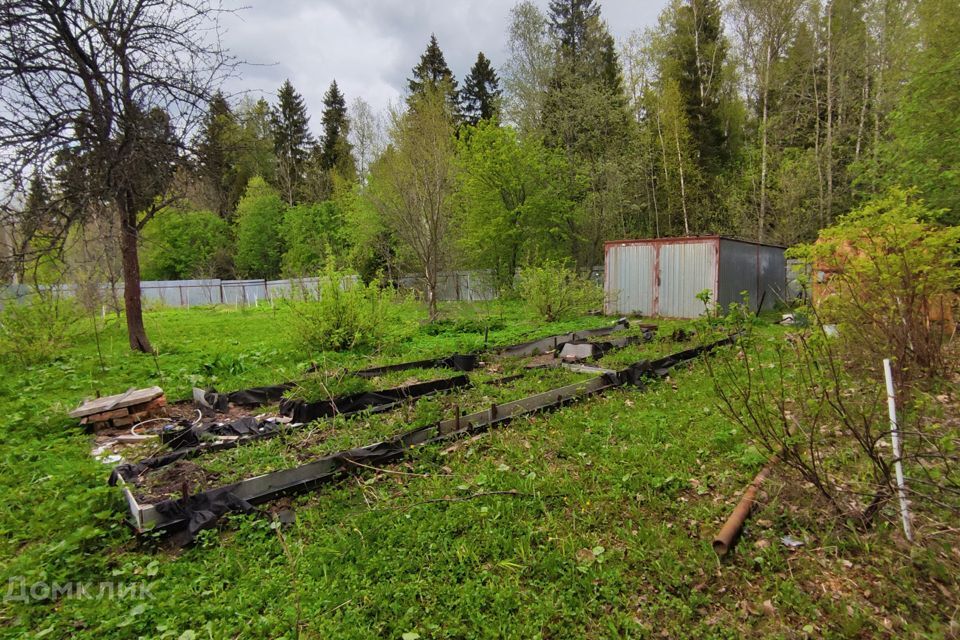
<point x="174" y="513"/>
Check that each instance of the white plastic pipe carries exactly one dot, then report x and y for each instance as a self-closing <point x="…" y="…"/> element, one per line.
<point x="895" y="440"/>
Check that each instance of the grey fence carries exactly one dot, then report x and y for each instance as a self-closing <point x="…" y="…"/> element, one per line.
<point x="454" y="286"/>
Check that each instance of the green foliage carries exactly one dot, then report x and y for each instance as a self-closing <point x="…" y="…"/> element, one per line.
<point x="888" y="280"/>
<point x="336" y="150"/>
<point x="37" y="329"/>
<point x="922" y="151"/>
<point x="343" y="315"/>
<point x="638" y="471"/>
<point x="309" y="232"/>
<point x="412" y="184"/>
<point x="253" y="141"/>
<point x="512" y="199"/>
<point x="554" y="291"/>
<point x="216" y="154"/>
<point x="259" y="243"/>
<point x="180" y="245"/>
<point x="292" y="140"/>
<point x="326" y="385"/>
<point x="696" y="53"/>
<point x="432" y="75"/>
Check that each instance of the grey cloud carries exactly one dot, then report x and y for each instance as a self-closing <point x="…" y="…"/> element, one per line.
<point x="370" y="46"/>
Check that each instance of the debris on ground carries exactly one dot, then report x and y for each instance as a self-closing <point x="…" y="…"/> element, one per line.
<point x="121" y="410"/>
<point x="790" y="542"/>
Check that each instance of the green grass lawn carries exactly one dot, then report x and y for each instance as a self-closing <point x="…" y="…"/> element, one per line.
<point x="605" y="531"/>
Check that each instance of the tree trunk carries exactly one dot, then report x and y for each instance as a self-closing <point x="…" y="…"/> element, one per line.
<point x="763" y="150"/>
<point x="432" y="297"/>
<point x="131" y="282"/>
<point x="683" y="189"/>
<point x="829" y="143"/>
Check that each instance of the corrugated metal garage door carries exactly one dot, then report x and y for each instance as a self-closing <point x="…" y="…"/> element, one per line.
<point x="686" y="269"/>
<point x="630" y="279"/>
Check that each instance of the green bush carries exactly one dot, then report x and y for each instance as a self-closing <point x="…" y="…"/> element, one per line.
<point x="309" y="231"/>
<point x="179" y="245"/>
<point x="554" y="291"/>
<point x="887" y="276"/>
<point x="36" y="331"/>
<point x="259" y="244"/>
<point x="344" y="314"/>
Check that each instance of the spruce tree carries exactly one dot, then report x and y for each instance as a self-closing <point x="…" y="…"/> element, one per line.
<point x="433" y="74"/>
<point x="481" y="92"/>
<point x="215" y="155"/>
<point x="698" y="50"/>
<point x="292" y="140"/>
<point x="570" y="23"/>
<point x="335" y="153"/>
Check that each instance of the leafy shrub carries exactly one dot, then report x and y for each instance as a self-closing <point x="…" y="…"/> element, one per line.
<point x="886" y="276"/>
<point x="555" y="291"/>
<point x="309" y="230"/>
<point x="344" y="314"/>
<point x="35" y="331"/>
<point x="179" y="245"/>
<point x="259" y="244"/>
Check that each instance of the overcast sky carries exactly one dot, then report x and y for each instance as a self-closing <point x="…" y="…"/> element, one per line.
<point x="370" y="46"/>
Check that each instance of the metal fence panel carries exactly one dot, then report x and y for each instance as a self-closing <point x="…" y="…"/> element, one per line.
<point x="470" y="286"/>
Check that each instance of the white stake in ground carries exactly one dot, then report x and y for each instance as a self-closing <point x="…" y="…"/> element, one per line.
<point x="895" y="440"/>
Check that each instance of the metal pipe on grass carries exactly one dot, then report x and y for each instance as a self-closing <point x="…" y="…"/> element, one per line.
<point x="728" y="535"/>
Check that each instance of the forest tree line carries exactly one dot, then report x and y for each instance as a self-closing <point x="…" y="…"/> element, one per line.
<point x="761" y="119"/>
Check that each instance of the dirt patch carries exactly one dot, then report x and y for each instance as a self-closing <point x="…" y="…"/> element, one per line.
<point x="542" y="360"/>
<point x="169" y="482"/>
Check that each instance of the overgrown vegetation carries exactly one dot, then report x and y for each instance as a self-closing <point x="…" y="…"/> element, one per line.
<point x="884" y="281"/>
<point x="607" y="533"/>
<point x="554" y="291"/>
<point x="37" y="329"/>
<point x="887" y="275"/>
<point x="327" y="385"/>
<point x="345" y="313"/>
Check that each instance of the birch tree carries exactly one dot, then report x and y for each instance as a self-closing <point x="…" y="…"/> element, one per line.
<point x="412" y="183"/>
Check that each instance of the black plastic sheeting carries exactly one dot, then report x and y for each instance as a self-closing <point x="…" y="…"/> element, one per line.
<point x="252" y="397"/>
<point x="202" y="510"/>
<point x="456" y="361"/>
<point x="188" y="441"/>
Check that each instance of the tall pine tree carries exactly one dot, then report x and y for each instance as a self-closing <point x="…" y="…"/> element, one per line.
<point x="335" y="154"/>
<point x="433" y="75"/>
<point x="480" y="98"/>
<point x="585" y="115"/>
<point x="292" y="140"/>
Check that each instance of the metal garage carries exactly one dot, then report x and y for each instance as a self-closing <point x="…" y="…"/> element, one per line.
<point x="662" y="277"/>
